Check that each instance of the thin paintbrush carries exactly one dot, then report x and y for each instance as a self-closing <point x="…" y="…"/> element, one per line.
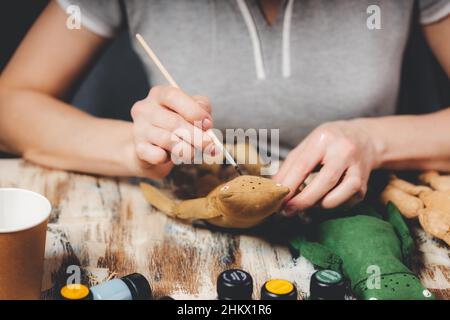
<point x="172" y="82"/>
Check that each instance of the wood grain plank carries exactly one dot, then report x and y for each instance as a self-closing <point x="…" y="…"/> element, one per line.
<point x="105" y="226"/>
<point x="434" y="263"/>
<point x="265" y="261"/>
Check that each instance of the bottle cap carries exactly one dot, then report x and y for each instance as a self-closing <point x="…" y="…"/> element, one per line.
<point x="327" y="285"/>
<point x="278" y="289"/>
<point x="75" y="292"/>
<point x="138" y="285"/>
<point x="234" y="284"/>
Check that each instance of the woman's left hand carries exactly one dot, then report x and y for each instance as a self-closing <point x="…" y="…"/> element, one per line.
<point x="347" y="153"/>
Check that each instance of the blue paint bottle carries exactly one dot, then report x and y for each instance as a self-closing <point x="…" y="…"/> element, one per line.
<point x="131" y="287"/>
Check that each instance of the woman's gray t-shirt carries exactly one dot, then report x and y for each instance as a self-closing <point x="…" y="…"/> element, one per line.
<point x="322" y="60"/>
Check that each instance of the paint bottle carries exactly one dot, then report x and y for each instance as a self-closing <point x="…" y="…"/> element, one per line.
<point x="327" y="285"/>
<point x="131" y="287"/>
<point x="234" y="284"/>
<point x="278" y="289"/>
<point x="75" y="292"/>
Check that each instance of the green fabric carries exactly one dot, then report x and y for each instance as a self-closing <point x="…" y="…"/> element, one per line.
<point x="339" y="235"/>
<point x="318" y="254"/>
<point x="394" y="217"/>
<point x="398" y="286"/>
<point x="364" y="243"/>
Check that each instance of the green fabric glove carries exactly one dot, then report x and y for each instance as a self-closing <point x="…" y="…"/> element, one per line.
<point x="371" y="252"/>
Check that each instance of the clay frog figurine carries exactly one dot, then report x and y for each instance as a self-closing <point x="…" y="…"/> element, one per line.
<point x="242" y="202"/>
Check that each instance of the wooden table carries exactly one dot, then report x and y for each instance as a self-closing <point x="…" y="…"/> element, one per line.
<point x="105" y="226"/>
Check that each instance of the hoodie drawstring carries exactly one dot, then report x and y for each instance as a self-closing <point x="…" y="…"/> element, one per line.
<point x="251" y="26"/>
<point x="286" y="42"/>
<point x="256" y="41"/>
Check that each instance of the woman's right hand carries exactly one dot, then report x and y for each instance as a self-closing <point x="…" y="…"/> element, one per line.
<point x="167" y="121"/>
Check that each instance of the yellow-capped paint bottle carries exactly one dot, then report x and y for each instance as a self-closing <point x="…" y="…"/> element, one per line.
<point x="131" y="287"/>
<point x="278" y="289"/>
<point x="75" y="292"/>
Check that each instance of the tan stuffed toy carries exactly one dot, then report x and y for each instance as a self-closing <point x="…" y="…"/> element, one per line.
<point x="242" y="202"/>
<point x="430" y="204"/>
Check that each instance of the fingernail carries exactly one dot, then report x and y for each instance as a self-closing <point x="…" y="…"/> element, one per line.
<point x="212" y="149"/>
<point x="206" y="124"/>
<point x="289" y="210"/>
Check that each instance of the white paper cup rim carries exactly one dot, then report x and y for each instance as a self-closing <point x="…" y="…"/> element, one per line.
<point x="33" y="222"/>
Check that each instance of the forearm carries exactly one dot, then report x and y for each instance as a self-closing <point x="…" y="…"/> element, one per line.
<point x="52" y="133"/>
<point x="419" y="142"/>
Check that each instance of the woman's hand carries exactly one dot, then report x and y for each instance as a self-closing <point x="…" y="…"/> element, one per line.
<point x="347" y="153"/>
<point x="169" y="125"/>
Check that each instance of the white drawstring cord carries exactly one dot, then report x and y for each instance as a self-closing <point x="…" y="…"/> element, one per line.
<point x="286" y="41"/>
<point x="257" y="52"/>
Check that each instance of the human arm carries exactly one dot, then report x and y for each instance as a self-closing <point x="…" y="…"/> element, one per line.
<point x="36" y="124"/>
<point x="349" y="150"/>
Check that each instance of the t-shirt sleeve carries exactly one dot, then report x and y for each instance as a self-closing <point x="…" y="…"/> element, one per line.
<point x="103" y="17"/>
<point x="433" y="10"/>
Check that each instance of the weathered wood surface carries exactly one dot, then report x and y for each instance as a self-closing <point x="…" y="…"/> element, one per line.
<point x="105" y="226"/>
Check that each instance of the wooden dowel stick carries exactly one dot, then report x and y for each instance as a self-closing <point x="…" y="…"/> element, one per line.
<point x="172" y="82"/>
<point x="156" y="60"/>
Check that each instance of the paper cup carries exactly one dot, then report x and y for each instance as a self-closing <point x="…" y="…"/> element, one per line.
<point x="23" y="227"/>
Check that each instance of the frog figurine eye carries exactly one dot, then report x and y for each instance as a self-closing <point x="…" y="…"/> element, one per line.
<point x="225" y="187"/>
